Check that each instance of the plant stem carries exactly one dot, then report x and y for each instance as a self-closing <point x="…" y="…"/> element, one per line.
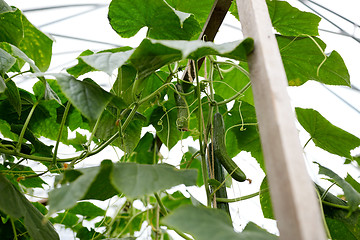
<point x="202" y="153"/>
<point x="23" y="130"/>
<point x="241" y="198"/>
<point x="335" y="205"/>
<point x="307" y="142"/>
<point x="246" y="87"/>
<point x="63" y="120"/>
<point x="14" y="229"/>
<point x="323" y="216"/>
<point x="161" y="205"/>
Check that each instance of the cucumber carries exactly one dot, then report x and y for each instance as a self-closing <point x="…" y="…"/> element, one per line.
<point x="220" y="150"/>
<point x="219" y="175"/>
<point x="182" y="121"/>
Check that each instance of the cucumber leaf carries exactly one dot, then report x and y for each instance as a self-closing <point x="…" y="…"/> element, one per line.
<point x="325" y="135"/>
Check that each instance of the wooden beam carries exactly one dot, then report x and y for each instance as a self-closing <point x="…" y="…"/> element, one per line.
<point x="294" y="200"/>
<point x="210" y="29"/>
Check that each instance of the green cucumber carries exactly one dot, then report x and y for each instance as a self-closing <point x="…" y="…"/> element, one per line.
<point x="182" y="121"/>
<point x="220" y="150"/>
<point x="219" y="175"/>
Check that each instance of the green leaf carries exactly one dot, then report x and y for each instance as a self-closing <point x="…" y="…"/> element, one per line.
<point x="340" y="224"/>
<point x="81" y="67"/>
<point x="355" y="184"/>
<point x="231" y="82"/>
<point x="351" y="195"/>
<point x="127" y="18"/>
<point x="211" y="224"/>
<point x="69" y="220"/>
<point x="290" y="21"/>
<point x="265" y="200"/>
<point x="2" y="85"/>
<point x="136" y="180"/>
<point x="101" y="187"/>
<point x="195" y="163"/>
<point x="153" y="54"/>
<point x="107" y="61"/>
<point x="19" y="170"/>
<point x="13" y="203"/>
<point x="164" y="121"/>
<point x="86" y="96"/>
<point x="302" y="58"/>
<point x="144" y="151"/>
<point x="78" y="142"/>
<point x="325" y="135"/>
<point x="6" y="61"/>
<point x="5" y="130"/>
<point x="200" y="9"/>
<point x="36" y="45"/>
<point x="242" y="122"/>
<point x="12" y="92"/>
<point x="175" y="200"/>
<point x="86" y="183"/>
<point x="11" y="27"/>
<point x="87" y="209"/>
<point x="20" y="55"/>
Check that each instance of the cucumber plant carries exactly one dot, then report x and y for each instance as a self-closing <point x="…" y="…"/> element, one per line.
<point x="149" y="109"/>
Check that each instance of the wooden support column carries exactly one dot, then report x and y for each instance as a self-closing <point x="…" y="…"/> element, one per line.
<point x="294" y="200"/>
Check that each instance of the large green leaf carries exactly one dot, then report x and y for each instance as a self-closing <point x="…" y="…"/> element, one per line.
<point x="107" y="61"/>
<point x="36" y="45"/>
<point x="86" y="96"/>
<point x="18" y="31"/>
<point x="302" y="58"/>
<point x="11" y="27"/>
<point x="136" y="180"/>
<point x="290" y="21"/>
<point x="325" y="135"/>
<point x="86" y="183"/>
<point x="200" y="9"/>
<point x="351" y="195"/>
<point x="211" y="224"/>
<point x="153" y="54"/>
<point x="128" y="17"/>
<point x="13" y="203"/>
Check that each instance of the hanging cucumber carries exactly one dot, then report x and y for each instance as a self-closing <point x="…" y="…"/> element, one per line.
<point x="220" y="150"/>
<point x="219" y="175"/>
<point x="182" y="121"/>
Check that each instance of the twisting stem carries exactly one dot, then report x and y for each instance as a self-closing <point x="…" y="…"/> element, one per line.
<point x="202" y="152"/>
<point x="161" y="205"/>
<point x="23" y="130"/>
<point x="63" y="120"/>
<point x="14" y="229"/>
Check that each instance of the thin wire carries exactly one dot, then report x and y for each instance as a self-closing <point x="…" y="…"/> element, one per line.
<point x="342" y="99"/>
<point x="331" y="22"/>
<point x="64" y="6"/>
<point x="71" y="16"/>
<point x="84" y="39"/>
<point x="335" y="13"/>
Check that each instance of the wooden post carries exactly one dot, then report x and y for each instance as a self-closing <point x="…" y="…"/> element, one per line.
<point x="294" y="200"/>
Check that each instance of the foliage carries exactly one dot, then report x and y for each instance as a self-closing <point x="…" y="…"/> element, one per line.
<point x="143" y="96"/>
